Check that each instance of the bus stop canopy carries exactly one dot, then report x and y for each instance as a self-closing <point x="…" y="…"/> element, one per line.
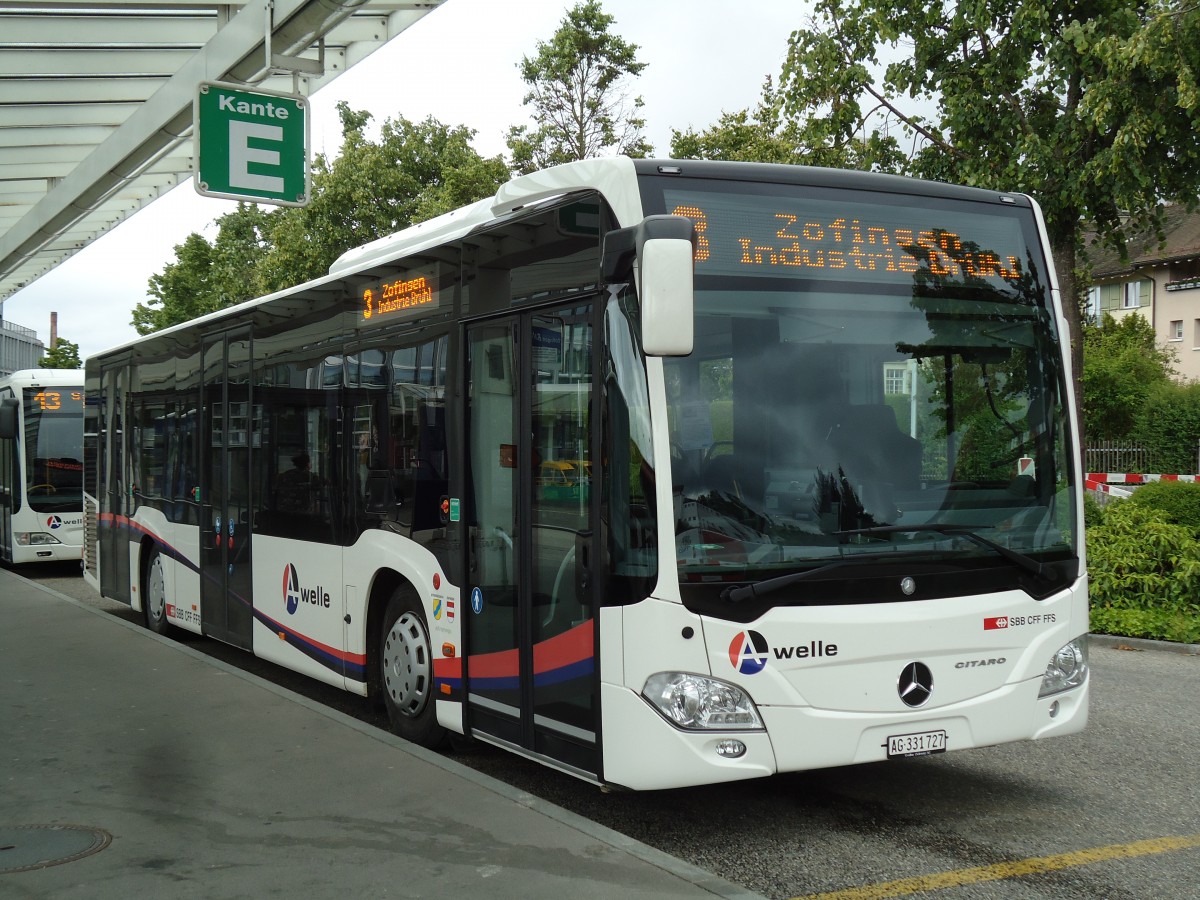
<point x="96" y="100"/>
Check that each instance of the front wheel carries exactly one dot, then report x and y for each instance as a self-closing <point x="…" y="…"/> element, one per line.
<point x="405" y="661"/>
<point x="154" y="596"/>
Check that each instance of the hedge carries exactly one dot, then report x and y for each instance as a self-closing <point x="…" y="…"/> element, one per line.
<point x="1144" y="573"/>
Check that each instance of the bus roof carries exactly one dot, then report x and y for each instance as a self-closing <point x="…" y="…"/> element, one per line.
<point x="613" y="177"/>
<point x="846" y="179"/>
<point x="38" y="377"/>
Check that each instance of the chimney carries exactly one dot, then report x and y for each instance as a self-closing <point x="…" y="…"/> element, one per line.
<point x="53" y="330"/>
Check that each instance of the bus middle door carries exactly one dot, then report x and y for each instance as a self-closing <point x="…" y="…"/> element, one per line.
<point x="532" y="678"/>
<point x="230" y="431"/>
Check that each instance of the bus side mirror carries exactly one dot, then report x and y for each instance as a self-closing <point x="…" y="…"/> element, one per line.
<point x="660" y="252"/>
<point x="8" y="418"/>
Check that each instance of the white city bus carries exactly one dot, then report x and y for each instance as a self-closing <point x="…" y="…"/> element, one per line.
<point x="41" y="466"/>
<point x="661" y="473"/>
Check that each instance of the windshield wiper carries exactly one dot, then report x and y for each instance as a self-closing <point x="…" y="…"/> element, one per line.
<point x="1028" y="563"/>
<point x="733" y="594"/>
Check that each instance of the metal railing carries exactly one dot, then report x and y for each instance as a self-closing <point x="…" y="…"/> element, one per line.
<point x="1117" y="456"/>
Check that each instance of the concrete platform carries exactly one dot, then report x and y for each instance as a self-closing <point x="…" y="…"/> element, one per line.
<point x="184" y="777"/>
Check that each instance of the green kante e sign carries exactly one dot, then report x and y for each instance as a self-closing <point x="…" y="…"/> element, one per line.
<point x="252" y="145"/>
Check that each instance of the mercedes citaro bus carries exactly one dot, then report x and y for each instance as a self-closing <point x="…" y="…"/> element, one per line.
<point x="832" y="510"/>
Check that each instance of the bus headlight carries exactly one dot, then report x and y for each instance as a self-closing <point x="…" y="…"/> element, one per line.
<point x="698" y="703"/>
<point x="1068" y="668"/>
<point x="35" y="539"/>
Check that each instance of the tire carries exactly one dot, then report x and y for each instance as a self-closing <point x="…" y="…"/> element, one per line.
<point x="405" y="661"/>
<point x="154" y="596"/>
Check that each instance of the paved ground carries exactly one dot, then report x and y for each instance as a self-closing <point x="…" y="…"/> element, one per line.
<point x="183" y="783"/>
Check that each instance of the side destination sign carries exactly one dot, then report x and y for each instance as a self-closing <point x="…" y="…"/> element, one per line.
<point x="252" y="145"/>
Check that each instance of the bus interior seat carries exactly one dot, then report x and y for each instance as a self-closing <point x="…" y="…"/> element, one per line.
<point x="734" y="474"/>
<point x="381" y="495"/>
<point x="870" y="445"/>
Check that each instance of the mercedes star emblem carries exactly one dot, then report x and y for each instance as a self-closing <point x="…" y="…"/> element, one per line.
<point x="916" y="684"/>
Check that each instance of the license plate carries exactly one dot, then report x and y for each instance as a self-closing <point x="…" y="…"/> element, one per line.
<point x="919" y="743"/>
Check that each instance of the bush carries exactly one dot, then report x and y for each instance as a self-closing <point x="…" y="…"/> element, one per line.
<point x="1179" y="501"/>
<point x="1167" y="423"/>
<point x="1154" y="624"/>
<point x="1093" y="512"/>
<point x="1145" y="574"/>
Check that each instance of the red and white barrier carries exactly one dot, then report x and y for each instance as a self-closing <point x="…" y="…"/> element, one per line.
<point x="1119" y="484"/>
<point x="1134" y="477"/>
<point x="1111" y="490"/>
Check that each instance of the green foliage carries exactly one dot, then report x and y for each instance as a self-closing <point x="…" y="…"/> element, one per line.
<point x="1178" y="501"/>
<point x="1123" y="363"/>
<point x="63" y="355"/>
<point x="721" y="412"/>
<point x="767" y="135"/>
<point x="736" y="136"/>
<point x="181" y="291"/>
<point x="415" y="171"/>
<point x="1167" y="424"/>
<point x="982" y="403"/>
<point x="1145" y="574"/>
<point x="1093" y="512"/>
<point x="576" y="91"/>
<point x="1153" y="624"/>
<point x="208" y="276"/>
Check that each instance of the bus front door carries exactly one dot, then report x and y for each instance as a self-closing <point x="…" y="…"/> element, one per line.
<point x="532" y="679"/>
<point x="230" y="432"/>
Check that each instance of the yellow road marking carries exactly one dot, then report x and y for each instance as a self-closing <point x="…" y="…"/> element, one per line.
<point x="906" y="886"/>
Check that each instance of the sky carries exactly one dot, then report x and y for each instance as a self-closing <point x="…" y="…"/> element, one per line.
<point x="458" y="64"/>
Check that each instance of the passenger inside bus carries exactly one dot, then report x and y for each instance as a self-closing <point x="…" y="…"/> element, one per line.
<point x="295" y="491"/>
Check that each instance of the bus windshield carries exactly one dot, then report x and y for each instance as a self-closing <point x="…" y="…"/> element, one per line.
<point x="873" y="374"/>
<point x="54" y="448"/>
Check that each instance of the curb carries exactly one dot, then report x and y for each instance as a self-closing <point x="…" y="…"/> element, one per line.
<point x="1115" y="642"/>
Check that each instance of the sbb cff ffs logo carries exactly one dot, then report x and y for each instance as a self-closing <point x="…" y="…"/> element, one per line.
<point x="294" y="594"/>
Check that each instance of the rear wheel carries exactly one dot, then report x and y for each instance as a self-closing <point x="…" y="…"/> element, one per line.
<point x="154" y="595"/>
<point x="405" y="661"/>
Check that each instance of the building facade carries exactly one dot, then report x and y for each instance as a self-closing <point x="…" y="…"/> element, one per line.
<point x="20" y="348"/>
<point x="1158" y="280"/>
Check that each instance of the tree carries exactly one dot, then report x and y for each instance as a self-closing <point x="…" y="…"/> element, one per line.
<point x="1091" y="108"/>
<point x="759" y="136"/>
<point x="373" y="188"/>
<point x="1167" y="427"/>
<point x="415" y="171"/>
<point x="767" y="135"/>
<point x="181" y="291"/>
<point x="1124" y="364"/>
<point x="63" y="355"/>
<point x="208" y="276"/>
<point x="577" y="93"/>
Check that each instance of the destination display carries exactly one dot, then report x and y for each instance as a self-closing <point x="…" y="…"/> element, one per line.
<point x="741" y="234"/>
<point x="406" y="295"/>
<point x="54" y="400"/>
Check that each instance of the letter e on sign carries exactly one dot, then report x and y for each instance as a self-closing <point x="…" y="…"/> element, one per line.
<point x="242" y="154"/>
<point x="252" y="145"/>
